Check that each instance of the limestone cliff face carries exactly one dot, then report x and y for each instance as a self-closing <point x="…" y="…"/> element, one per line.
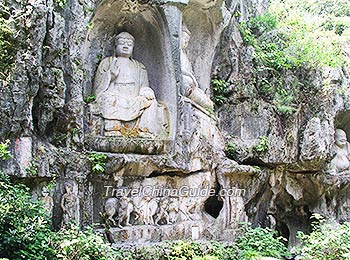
<point x="43" y="113"/>
<point x="297" y="179"/>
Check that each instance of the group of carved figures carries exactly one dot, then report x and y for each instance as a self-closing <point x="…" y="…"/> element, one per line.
<point x="127" y="211"/>
<point x="148" y="211"/>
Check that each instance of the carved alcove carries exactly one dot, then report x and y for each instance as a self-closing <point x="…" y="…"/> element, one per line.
<point x="205" y="36"/>
<point x="340" y="163"/>
<point x="342" y="121"/>
<point x="197" y="118"/>
<point x="152" y="48"/>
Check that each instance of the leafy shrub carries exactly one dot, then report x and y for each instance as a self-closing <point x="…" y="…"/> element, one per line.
<point x="76" y="244"/>
<point x="328" y="240"/>
<point x="220" y="88"/>
<point x="230" y="150"/>
<point x="90" y="99"/>
<point x="32" y="169"/>
<point x="24" y="226"/>
<point x="263" y="144"/>
<point x="25" y="231"/>
<point x="296" y="37"/>
<point x="181" y="250"/>
<point x="98" y="161"/>
<point x="7" y="42"/>
<point x="260" y="242"/>
<point x="184" y="250"/>
<point x="4" y="152"/>
<point x="223" y="251"/>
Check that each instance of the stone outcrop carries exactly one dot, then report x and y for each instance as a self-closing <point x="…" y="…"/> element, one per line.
<point x="56" y="120"/>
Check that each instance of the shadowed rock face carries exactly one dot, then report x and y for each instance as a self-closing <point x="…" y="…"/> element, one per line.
<point x="53" y="130"/>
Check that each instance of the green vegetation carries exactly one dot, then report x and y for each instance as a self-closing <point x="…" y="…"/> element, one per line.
<point x="90" y="25"/>
<point x="4" y="152"/>
<point x="328" y="241"/>
<point x="89" y="99"/>
<point x="76" y="244"/>
<point x="61" y="3"/>
<point x="7" y="42"/>
<point x="24" y="225"/>
<point x="25" y="231"/>
<point x="220" y="89"/>
<point x="181" y="250"/>
<point x="263" y="144"/>
<point x="259" y="242"/>
<point x="230" y="150"/>
<point x="98" y="161"/>
<point x="291" y="40"/>
<point x="32" y="169"/>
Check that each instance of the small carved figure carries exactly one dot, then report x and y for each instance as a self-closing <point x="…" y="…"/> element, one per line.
<point x="140" y="209"/>
<point x="341" y="161"/>
<point x="191" y="86"/>
<point x="186" y="209"/>
<point x="69" y="205"/>
<point x="173" y="210"/>
<point x="47" y="200"/>
<point x="163" y="215"/>
<point x="125" y="209"/>
<point x="111" y="208"/>
<point x="123" y="95"/>
<point x="152" y="206"/>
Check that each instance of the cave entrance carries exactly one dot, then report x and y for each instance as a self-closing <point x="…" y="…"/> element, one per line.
<point x="213" y="205"/>
<point x="283" y="230"/>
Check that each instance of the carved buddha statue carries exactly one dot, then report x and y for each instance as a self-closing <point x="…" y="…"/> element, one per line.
<point x="341" y="161"/>
<point x="191" y="86"/>
<point x="123" y="95"/>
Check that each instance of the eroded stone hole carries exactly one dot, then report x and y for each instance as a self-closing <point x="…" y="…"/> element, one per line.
<point x="283" y="230"/>
<point x="213" y="204"/>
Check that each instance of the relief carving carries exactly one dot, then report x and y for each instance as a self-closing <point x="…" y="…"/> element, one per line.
<point x="148" y="211"/>
<point x="69" y="206"/>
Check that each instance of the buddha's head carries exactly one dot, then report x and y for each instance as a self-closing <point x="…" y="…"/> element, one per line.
<point x="340" y="138"/>
<point x="124" y="42"/>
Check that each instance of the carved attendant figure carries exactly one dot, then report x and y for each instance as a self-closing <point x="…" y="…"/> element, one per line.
<point x="191" y="85"/>
<point x="173" y="209"/>
<point x="69" y="205"/>
<point x="125" y="209"/>
<point x="111" y="208"/>
<point x="341" y="161"/>
<point x="47" y="200"/>
<point x="163" y="215"/>
<point x="123" y="95"/>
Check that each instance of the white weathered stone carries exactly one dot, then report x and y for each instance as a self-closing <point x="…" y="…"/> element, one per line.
<point x="341" y="160"/>
<point x="23" y="154"/>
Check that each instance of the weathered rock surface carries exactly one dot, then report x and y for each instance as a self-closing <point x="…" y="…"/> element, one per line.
<point x="43" y="113"/>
